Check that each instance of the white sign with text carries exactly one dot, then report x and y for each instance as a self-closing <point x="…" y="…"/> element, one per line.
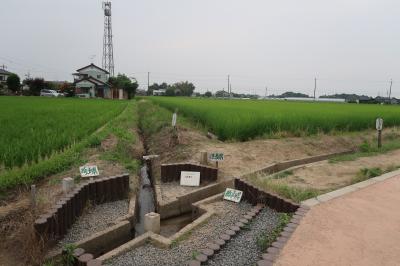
<point x="191" y="179"/>
<point x="216" y="157"/>
<point x="233" y="195"/>
<point x="89" y="170"/>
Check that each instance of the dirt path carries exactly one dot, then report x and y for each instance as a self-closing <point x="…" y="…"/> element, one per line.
<point x="360" y="228"/>
<point x="324" y="175"/>
<point x="245" y="157"/>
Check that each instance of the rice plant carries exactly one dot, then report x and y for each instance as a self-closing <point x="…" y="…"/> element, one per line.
<point x="33" y="128"/>
<point x="247" y="119"/>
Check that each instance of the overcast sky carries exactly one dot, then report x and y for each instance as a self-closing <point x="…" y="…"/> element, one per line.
<point x="351" y="46"/>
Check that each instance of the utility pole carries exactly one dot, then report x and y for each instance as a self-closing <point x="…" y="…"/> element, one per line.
<point x="148" y="80"/>
<point x="266" y="92"/>
<point x="390" y="89"/>
<point x="229" y="85"/>
<point x="315" y="86"/>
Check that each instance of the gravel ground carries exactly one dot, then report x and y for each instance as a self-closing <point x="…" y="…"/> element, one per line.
<point x="95" y="219"/>
<point x="171" y="190"/>
<point x="227" y="214"/>
<point x="243" y="249"/>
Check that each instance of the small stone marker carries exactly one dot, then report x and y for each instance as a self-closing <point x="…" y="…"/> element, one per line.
<point x="191" y="179"/>
<point x="67" y="184"/>
<point x="379" y="127"/>
<point x="152" y="222"/>
<point x="89" y="170"/>
<point x="233" y="195"/>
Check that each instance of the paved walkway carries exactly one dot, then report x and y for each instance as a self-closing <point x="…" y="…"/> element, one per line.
<point x="359" y="228"/>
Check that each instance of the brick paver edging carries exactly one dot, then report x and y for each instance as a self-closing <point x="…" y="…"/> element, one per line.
<point x="172" y="172"/>
<point x="55" y="223"/>
<point x="272" y="253"/>
<point x="217" y="245"/>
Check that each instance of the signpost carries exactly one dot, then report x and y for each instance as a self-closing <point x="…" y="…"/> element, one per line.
<point x="233" y="195"/>
<point x="174" y="116"/>
<point x="89" y="170"/>
<point x="216" y="157"/>
<point x="191" y="179"/>
<point x="379" y="127"/>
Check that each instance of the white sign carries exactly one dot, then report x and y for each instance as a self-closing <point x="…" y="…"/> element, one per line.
<point x="191" y="179"/>
<point x="233" y="195"/>
<point x="216" y="157"/>
<point x="174" y="120"/>
<point x="89" y="170"/>
<point x="379" y="124"/>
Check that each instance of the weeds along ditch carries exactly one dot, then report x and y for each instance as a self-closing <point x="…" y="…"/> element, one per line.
<point x="42" y="136"/>
<point x="246" y="119"/>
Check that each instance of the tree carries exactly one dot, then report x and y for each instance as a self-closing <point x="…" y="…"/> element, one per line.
<point x="170" y="91"/>
<point x="13" y="82"/>
<point x="123" y="82"/>
<point x="156" y="86"/>
<point x="185" y="88"/>
<point x="68" y="89"/>
<point x="36" y="85"/>
<point x="208" y="94"/>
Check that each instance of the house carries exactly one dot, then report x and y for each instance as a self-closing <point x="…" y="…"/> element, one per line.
<point x="93" y="81"/>
<point x="4" y="75"/>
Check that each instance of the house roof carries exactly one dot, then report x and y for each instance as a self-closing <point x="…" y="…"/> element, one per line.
<point x="5" y="72"/>
<point x="91" y="80"/>
<point x="93" y="65"/>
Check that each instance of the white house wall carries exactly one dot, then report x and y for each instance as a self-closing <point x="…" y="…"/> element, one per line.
<point x="95" y="72"/>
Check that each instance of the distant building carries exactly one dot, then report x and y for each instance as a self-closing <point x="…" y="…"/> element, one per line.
<point x="159" y="92"/>
<point x="4" y="75"/>
<point x="93" y="81"/>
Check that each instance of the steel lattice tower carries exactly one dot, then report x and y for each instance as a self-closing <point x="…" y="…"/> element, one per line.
<point x="108" y="53"/>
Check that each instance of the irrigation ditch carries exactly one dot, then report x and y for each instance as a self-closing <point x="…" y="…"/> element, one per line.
<point x="180" y="213"/>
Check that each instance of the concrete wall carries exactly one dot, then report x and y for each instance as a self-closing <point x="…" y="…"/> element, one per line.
<point x="172" y="172"/>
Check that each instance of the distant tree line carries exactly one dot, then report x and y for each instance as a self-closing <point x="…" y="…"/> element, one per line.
<point x="225" y="94"/>
<point x="183" y="88"/>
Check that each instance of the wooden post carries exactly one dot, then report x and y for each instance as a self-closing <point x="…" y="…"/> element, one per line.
<point x="33" y="196"/>
<point x="216" y="164"/>
<point x="379" y="127"/>
<point x="204" y="158"/>
<point x="379" y="138"/>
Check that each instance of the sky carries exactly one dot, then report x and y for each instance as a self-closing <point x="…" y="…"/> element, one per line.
<point x="349" y="46"/>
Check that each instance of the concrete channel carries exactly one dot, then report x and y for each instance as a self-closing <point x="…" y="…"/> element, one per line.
<point x="145" y="200"/>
